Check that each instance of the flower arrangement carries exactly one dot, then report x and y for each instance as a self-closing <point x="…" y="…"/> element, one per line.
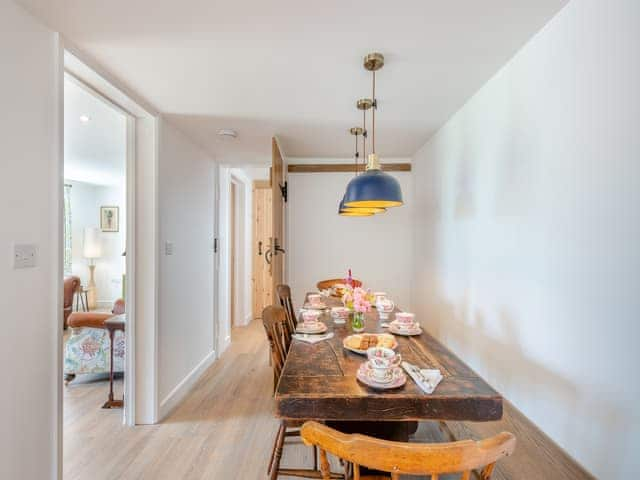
<point x="359" y="301"/>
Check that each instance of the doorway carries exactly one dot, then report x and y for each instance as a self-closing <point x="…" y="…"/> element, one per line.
<point x="95" y="239"/>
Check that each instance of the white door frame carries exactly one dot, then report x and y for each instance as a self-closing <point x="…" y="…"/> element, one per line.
<point x="141" y="403"/>
<point x="225" y="178"/>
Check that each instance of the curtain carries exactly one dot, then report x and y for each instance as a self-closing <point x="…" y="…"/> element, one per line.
<point x="67" y="229"/>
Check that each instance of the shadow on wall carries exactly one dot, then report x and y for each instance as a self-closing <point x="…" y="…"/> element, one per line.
<point x="504" y="364"/>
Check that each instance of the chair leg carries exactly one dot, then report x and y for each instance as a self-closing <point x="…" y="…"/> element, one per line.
<point x="315" y="457"/>
<point x="276" y="454"/>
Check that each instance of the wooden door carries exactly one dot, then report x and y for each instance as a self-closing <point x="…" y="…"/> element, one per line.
<point x="262" y="220"/>
<point x="277" y="246"/>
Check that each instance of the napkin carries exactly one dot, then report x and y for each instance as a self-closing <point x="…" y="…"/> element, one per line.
<point x="426" y="379"/>
<point x="312" y="338"/>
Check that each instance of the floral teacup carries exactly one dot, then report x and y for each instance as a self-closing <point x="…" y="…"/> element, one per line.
<point x="382" y="361"/>
<point x="405" y="319"/>
<point x="310" y="317"/>
<point x="315" y="299"/>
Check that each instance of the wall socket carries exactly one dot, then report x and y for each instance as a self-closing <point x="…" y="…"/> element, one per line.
<point x="168" y="248"/>
<point x="24" y="256"/>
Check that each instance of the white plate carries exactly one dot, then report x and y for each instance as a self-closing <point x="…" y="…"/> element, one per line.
<point x="407" y="332"/>
<point x="364" y="352"/>
<point x="319" y="328"/>
<point x="398" y="378"/>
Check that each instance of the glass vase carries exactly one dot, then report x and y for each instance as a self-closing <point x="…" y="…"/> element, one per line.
<point x="357" y="322"/>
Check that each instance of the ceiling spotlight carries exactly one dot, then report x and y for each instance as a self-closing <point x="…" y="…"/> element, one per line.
<point x="85" y="118"/>
<point x="227" y="133"/>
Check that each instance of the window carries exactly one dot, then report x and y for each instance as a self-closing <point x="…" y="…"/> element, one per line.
<point x="67" y="230"/>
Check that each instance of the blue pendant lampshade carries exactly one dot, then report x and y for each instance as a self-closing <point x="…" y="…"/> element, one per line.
<point x="373" y="188"/>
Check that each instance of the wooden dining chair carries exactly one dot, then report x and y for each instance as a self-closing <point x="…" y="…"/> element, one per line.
<point x="275" y="324"/>
<point x="324" y="284"/>
<point x="284" y="295"/>
<point x="399" y="458"/>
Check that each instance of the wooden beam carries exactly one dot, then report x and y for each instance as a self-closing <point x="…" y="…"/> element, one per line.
<point x="342" y="167"/>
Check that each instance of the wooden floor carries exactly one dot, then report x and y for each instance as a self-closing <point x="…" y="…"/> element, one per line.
<point x="225" y="430"/>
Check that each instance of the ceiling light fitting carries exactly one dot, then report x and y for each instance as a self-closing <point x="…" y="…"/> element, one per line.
<point x="374" y="188"/>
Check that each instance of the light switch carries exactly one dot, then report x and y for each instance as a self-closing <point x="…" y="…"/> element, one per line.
<point x="24" y="256"/>
<point x="168" y="248"/>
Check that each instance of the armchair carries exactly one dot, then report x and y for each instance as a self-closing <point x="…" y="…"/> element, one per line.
<point x="71" y="285"/>
<point x="87" y="350"/>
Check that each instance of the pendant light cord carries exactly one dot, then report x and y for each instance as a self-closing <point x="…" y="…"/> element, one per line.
<point x="364" y="138"/>
<point x="356" y="156"/>
<point x="373" y="120"/>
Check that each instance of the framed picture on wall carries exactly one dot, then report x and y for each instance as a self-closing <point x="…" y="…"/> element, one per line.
<point x="109" y="219"/>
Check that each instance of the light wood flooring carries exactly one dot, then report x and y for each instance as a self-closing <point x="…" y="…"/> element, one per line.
<point x="225" y="430"/>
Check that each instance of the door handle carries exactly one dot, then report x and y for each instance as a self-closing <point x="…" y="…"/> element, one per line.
<point x="277" y="247"/>
<point x="260" y="247"/>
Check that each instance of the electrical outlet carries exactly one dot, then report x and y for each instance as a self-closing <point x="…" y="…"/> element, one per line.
<point x="24" y="256"/>
<point x="168" y="248"/>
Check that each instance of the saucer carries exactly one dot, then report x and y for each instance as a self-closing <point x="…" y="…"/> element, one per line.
<point x="397" y="329"/>
<point x="365" y="375"/>
<point x="317" y="328"/>
<point x="310" y="306"/>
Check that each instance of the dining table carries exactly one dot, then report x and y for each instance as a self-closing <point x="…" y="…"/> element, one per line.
<point x="319" y="382"/>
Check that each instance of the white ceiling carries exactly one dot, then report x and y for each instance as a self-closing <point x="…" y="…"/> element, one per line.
<point x="94" y="151"/>
<point x="293" y="68"/>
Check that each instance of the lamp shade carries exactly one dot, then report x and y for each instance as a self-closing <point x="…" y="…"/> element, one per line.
<point x="373" y="188"/>
<point x="358" y="211"/>
<point x="91" y="243"/>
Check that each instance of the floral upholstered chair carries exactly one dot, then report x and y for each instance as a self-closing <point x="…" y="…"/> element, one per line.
<point x="87" y="349"/>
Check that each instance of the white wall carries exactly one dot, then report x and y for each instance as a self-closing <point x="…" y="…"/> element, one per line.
<point x="527" y="233"/>
<point x="29" y="201"/>
<point x="86" y="200"/>
<point x="323" y="245"/>
<point x="187" y="213"/>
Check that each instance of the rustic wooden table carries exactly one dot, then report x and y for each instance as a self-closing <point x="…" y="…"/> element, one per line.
<point x="319" y="382"/>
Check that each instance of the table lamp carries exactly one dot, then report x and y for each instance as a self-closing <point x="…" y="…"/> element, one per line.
<point x="91" y="251"/>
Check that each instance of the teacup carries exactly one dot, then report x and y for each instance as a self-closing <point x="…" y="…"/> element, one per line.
<point x="340" y="312"/>
<point x="315" y="299"/>
<point x="310" y="317"/>
<point x="405" y="319"/>
<point x="382" y="362"/>
<point x="384" y="306"/>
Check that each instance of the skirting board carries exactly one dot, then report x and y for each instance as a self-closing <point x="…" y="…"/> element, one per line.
<point x="181" y="390"/>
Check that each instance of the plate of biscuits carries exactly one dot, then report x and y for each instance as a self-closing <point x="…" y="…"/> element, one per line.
<point x="360" y="342"/>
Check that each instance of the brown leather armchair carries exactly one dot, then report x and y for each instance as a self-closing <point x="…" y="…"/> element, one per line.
<point x="71" y="285"/>
<point x="95" y="319"/>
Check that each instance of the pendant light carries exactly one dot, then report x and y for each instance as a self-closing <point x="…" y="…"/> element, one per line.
<point x="357" y="211"/>
<point x="373" y="188"/>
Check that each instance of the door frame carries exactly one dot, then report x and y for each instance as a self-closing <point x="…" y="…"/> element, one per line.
<point x="140" y="384"/>
<point x="229" y="173"/>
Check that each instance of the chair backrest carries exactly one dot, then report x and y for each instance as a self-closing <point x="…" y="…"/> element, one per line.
<point x="274" y="320"/>
<point x="284" y="295"/>
<point x="71" y="285"/>
<point x="398" y="458"/>
<point x="324" y="284"/>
